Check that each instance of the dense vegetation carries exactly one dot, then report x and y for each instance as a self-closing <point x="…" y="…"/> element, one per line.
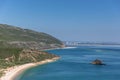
<point x="19" y="46"/>
<point x="16" y="56"/>
<point x="13" y="56"/>
<point x="11" y="33"/>
<point x="25" y="38"/>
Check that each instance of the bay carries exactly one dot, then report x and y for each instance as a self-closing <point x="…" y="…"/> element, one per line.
<point x="75" y="65"/>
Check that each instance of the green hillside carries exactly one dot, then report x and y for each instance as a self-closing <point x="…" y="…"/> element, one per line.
<point x="15" y="56"/>
<point x="26" y="38"/>
<point x="20" y="46"/>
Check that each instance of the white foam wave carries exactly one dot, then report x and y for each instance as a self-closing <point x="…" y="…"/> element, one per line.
<point x="69" y="47"/>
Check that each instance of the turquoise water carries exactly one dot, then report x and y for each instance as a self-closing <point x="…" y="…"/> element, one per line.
<point x="75" y="65"/>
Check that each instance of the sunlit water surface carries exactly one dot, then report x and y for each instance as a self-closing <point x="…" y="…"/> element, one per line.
<point x="75" y="65"/>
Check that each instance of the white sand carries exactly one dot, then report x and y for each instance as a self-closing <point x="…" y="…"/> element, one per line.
<point x="13" y="72"/>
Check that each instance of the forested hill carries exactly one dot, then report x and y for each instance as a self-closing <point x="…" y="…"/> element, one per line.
<point x="25" y="38"/>
<point x="20" y="46"/>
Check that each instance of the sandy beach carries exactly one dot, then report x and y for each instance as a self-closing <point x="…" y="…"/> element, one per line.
<point x="12" y="72"/>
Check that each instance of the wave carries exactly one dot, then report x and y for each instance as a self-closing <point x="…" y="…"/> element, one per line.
<point x="69" y="47"/>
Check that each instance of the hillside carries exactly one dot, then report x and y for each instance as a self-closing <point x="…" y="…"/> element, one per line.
<point x="15" y="56"/>
<point x="20" y="46"/>
<point x="25" y="38"/>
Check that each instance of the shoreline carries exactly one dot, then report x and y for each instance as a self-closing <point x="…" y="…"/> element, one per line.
<point x="12" y="72"/>
<point x="59" y="48"/>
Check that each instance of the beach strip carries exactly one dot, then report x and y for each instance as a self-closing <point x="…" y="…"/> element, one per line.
<point x="12" y="72"/>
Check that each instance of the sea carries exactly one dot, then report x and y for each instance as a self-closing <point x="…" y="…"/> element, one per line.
<point x="75" y="64"/>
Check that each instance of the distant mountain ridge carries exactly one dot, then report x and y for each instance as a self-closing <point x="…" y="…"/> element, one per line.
<point x="25" y="38"/>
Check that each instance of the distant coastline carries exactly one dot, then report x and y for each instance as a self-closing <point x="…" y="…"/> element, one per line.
<point x="78" y="43"/>
<point x="94" y="45"/>
<point x="12" y="72"/>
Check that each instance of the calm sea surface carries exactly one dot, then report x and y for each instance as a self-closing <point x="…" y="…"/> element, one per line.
<point x="75" y="65"/>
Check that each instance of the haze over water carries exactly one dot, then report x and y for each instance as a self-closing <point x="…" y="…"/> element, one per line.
<point x="75" y="65"/>
<point x="82" y="20"/>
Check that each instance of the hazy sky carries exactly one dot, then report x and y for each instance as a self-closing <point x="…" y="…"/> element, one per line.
<point x="73" y="20"/>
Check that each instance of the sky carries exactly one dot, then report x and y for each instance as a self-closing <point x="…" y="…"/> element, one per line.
<point x="67" y="20"/>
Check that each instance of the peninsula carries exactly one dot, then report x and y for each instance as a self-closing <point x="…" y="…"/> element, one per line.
<point x="21" y="49"/>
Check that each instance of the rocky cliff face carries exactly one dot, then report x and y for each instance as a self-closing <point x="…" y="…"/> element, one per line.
<point x="25" y="38"/>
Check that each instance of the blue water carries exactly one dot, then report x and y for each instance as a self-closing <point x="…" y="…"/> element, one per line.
<point x="75" y="65"/>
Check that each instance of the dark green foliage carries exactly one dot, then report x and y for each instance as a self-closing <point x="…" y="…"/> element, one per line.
<point x="4" y="64"/>
<point x="8" y="52"/>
